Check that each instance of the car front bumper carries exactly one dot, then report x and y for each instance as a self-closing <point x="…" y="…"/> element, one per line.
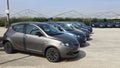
<point x="67" y="52"/>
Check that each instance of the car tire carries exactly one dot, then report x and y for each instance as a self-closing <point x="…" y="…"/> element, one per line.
<point x="52" y="54"/>
<point x="8" y="48"/>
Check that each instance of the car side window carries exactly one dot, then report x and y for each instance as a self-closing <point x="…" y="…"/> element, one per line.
<point x="32" y="30"/>
<point x="18" y="28"/>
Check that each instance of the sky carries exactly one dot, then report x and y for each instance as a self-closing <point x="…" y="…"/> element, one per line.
<point x="53" y="7"/>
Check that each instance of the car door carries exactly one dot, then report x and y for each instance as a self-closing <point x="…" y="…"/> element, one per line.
<point x="17" y="36"/>
<point x="33" y="41"/>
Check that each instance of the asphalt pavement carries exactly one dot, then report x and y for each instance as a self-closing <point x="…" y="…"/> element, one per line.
<point x="102" y="51"/>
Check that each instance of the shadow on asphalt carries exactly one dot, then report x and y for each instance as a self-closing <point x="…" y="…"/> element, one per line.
<point x="90" y="39"/>
<point x="1" y="47"/>
<point x="31" y="54"/>
<point x="85" y="45"/>
<point x="14" y="60"/>
<point x="1" y="44"/>
<point x="81" y="55"/>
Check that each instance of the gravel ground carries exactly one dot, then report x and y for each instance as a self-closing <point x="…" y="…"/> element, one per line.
<point x="103" y="51"/>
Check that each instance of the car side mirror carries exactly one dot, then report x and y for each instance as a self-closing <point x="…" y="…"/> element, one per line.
<point x="39" y="34"/>
<point x="60" y="29"/>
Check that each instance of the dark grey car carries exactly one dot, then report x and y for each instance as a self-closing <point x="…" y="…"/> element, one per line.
<point x="40" y="38"/>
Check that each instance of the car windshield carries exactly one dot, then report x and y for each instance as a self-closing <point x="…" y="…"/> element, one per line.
<point x="66" y="27"/>
<point x="49" y="29"/>
<point x="75" y="25"/>
<point x="81" y="24"/>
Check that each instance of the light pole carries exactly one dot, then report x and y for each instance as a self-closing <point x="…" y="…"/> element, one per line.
<point x="8" y="13"/>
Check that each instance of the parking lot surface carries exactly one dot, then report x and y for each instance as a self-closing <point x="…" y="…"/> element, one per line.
<point x="102" y="51"/>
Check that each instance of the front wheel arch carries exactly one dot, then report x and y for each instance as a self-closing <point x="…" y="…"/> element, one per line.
<point x="8" y="44"/>
<point x="5" y="41"/>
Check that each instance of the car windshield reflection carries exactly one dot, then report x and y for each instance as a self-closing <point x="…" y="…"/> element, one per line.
<point x="49" y="29"/>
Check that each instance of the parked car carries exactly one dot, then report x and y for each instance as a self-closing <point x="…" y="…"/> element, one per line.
<point x="82" y="26"/>
<point x="110" y="25"/>
<point x="40" y="38"/>
<point x="86" y="32"/>
<point x="117" y="25"/>
<point x="105" y="25"/>
<point x="94" y="24"/>
<point x="64" y="27"/>
<point x="102" y="25"/>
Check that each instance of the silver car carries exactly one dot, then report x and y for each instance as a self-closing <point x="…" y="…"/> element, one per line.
<point x="41" y="38"/>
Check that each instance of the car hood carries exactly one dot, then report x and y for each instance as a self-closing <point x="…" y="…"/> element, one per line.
<point x="84" y="30"/>
<point x="76" y="32"/>
<point x="65" y="38"/>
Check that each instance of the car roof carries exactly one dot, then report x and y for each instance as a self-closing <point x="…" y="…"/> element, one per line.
<point x="60" y="22"/>
<point x="37" y="23"/>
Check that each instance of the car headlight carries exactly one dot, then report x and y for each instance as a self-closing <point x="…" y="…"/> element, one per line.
<point x="65" y="44"/>
<point x="93" y="25"/>
<point x="77" y="36"/>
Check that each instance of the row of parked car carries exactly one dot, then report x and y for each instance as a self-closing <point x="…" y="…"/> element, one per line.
<point x="54" y="40"/>
<point x="105" y="25"/>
